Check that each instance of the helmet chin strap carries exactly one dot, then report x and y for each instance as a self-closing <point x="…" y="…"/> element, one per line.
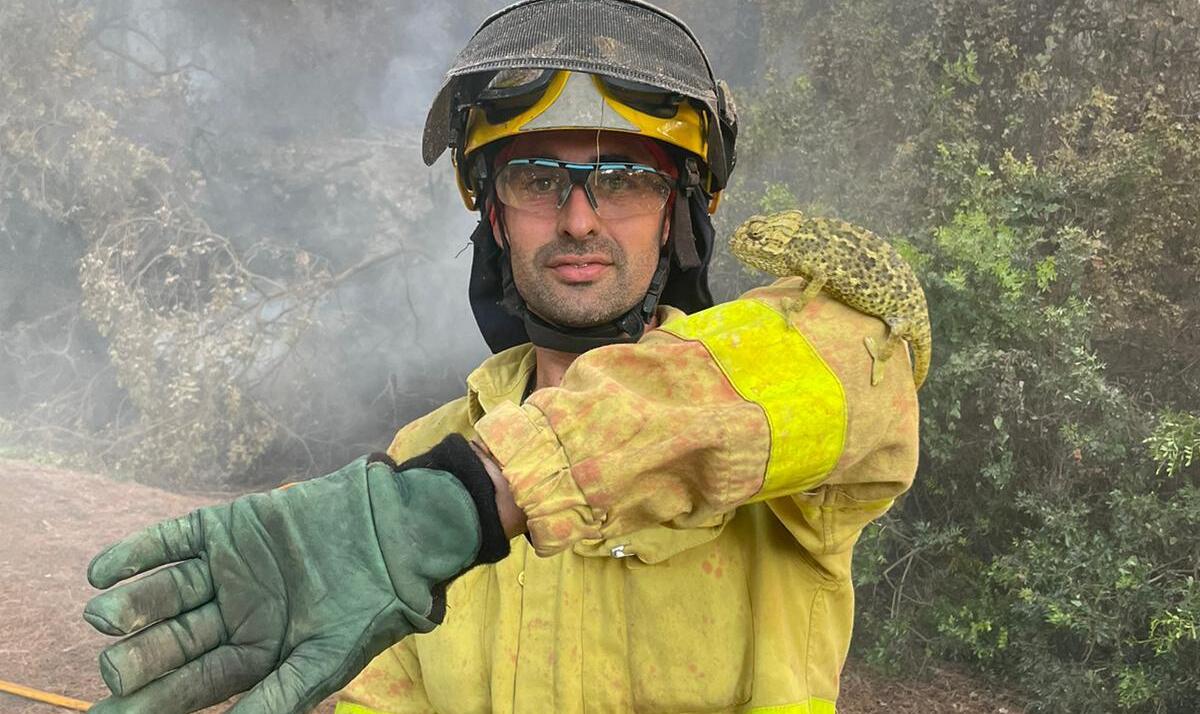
<point x="626" y="328"/>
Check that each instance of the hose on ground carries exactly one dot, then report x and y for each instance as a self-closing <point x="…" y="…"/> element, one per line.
<point x="44" y="697"/>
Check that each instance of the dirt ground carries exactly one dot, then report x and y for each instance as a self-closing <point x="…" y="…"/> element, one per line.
<point x="53" y="521"/>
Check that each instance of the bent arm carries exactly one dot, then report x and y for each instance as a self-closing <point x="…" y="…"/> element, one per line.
<point x="730" y="405"/>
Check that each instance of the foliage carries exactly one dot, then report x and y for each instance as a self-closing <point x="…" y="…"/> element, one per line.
<point x="171" y="274"/>
<point x="1037" y="163"/>
<point x="1175" y="442"/>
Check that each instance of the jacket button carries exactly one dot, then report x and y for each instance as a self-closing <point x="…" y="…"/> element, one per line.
<point x="521" y="578"/>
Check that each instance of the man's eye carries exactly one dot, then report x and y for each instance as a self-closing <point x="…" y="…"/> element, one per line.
<point x="615" y="181"/>
<point x="539" y="184"/>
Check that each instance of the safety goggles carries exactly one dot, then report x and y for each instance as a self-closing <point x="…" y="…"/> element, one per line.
<point x="614" y="189"/>
<point x="510" y="92"/>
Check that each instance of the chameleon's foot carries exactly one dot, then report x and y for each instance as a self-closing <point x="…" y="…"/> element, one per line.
<point x="880" y="355"/>
<point x="815" y="283"/>
<point x="791" y="308"/>
<point x="877" y="360"/>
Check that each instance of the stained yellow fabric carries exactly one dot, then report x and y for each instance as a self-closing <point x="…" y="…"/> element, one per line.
<point x="742" y="610"/>
<point x="802" y="397"/>
<point x="573" y="454"/>
<point x="750" y="412"/>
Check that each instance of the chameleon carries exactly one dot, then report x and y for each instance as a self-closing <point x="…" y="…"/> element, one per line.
<point x="851" y="264"/>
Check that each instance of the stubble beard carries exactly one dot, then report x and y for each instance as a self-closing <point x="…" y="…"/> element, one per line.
<point x="583" y="304"/>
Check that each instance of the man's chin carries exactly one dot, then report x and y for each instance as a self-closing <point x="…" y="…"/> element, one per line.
<point x="578" y="316"/>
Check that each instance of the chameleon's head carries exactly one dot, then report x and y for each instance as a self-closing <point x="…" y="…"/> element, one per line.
<point x="762" y="241"/>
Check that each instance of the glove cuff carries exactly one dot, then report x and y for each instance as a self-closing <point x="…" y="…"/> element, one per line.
<point x="455" y="456"/>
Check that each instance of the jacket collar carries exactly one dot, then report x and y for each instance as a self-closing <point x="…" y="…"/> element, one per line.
<point x="501" y="378"/>
<point x="504" y="376"/>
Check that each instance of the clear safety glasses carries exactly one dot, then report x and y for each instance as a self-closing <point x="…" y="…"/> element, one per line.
<point x="614" y="189"/>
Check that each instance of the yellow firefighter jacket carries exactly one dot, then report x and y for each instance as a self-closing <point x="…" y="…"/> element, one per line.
<point x="692" y="500"/>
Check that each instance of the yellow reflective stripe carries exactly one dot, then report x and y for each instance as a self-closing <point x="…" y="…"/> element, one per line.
<point x="352" y="708"/>
<point x="812" y="706"/>
<point x="771" y="364"/>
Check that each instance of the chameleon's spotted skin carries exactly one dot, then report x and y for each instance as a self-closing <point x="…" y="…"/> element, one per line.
<point x="853" y="265"/>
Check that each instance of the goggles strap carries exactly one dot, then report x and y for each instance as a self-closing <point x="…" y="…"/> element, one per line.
<point x="683" y="237"/>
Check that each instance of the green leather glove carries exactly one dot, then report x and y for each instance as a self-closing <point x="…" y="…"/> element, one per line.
<point x="290" y="592"/>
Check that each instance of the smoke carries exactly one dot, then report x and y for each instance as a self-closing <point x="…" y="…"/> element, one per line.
<point x="295" y="128"/>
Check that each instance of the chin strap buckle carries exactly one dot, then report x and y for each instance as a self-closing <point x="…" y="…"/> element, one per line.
<point x="658" y="283"/>
<point x="692" y="170"/>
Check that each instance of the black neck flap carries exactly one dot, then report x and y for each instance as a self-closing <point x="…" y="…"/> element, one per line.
<point x="692" y="242"/>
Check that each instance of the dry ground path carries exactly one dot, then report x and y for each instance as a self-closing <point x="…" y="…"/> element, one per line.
<point x="53" y="521"/>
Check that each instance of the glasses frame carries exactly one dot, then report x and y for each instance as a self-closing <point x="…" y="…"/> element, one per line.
<point x="579" y="173"/>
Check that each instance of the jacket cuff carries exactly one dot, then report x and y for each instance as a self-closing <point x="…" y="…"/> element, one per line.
<point x="455" y="456"/>
<point x="537" y="471"/>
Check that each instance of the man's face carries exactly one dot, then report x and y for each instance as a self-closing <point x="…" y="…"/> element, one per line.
<point x="575" y="268"/>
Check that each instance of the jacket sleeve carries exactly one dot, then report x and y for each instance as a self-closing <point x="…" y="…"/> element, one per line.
<point x="756" y="399"/>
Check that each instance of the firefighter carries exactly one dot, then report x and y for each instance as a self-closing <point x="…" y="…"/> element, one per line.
<point x="643" y="502"/>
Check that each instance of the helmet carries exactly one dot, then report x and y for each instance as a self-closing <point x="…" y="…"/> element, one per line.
<point x="636" y="51"/>
<point x="614" y="65"/>
<point x="520" y="101"/>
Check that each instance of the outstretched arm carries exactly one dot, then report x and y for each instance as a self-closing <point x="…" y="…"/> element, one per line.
<point x="290" y="593"/>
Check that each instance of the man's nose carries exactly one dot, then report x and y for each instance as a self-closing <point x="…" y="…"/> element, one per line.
<point x="576" y="218"/>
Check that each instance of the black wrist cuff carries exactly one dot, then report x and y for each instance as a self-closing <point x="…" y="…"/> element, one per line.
<point x="454" y="455"/>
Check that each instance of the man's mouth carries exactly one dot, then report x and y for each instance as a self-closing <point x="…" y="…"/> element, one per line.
<point x="579" y="268"/>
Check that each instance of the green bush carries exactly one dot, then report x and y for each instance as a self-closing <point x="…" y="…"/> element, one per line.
<point x="1039" y="166"/>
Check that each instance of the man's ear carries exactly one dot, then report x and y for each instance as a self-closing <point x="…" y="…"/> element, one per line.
<point x="666" y="232"/>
